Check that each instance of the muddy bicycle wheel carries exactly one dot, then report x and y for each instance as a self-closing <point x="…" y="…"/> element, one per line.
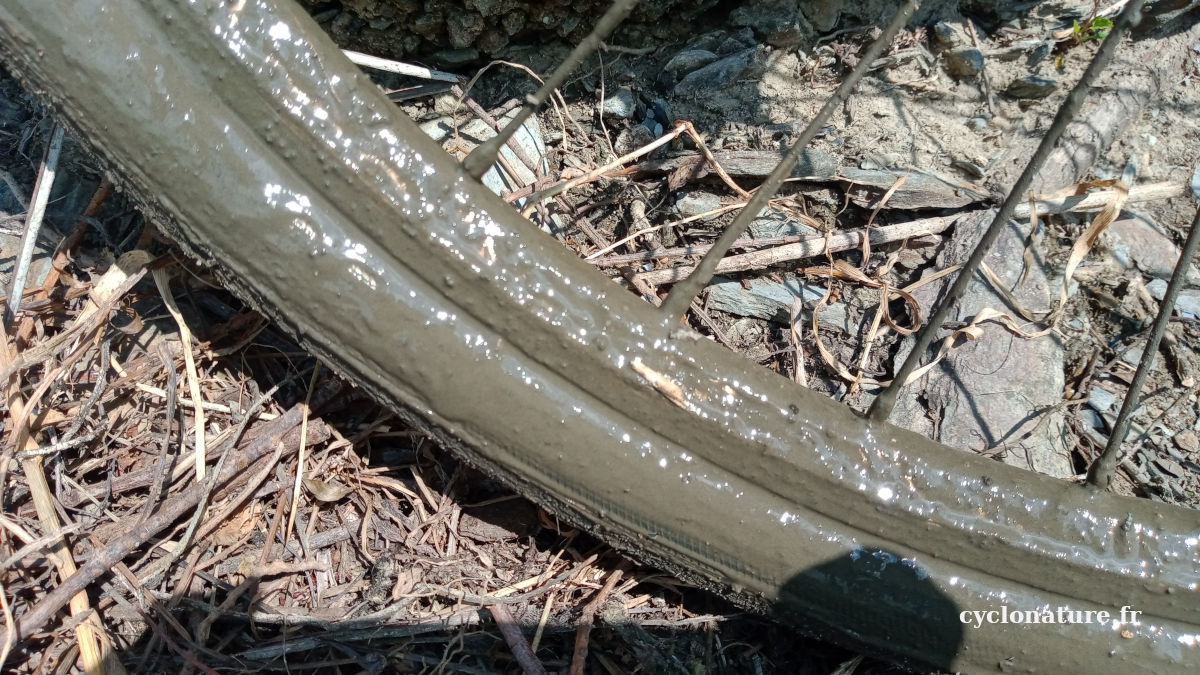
<point x="248" y="135"/>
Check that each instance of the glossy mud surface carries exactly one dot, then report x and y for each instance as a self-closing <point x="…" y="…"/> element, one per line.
<point x="246" y="131"/>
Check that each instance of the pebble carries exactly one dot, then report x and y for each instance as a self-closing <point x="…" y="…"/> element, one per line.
<point x="1101" y="400"/>
<point x="1187" y="304"/>
<point x="718" y="74"/>
<point x="945" y="35"/>
<point x="822" y="14"/>
<point x="620" y="104"/>
<point x="772" y="300"/>
<point x="977" y="124"/>
<point x="695" y="203"/>
<point x="1141" y="241"/>
<point x="964" y="63"/>
<point x="1187" y="441"/>
<point x="776" y="224"/>
<point x="1031" y="87"/>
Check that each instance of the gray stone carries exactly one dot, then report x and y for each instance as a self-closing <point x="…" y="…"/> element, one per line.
<point x="977" y="124"/>
<point x="1031" y="87"/>
<point x="454" y="58"/>
<point x="718" y="74"/>
<point x="695" y="203"/>
<point x="688" y="60"/>
<point x="1138" y="240"/>
<point x="620" y="104"/>
<point x="981" y="395"/>
<point x="528" y="137"/>
<point x="779" y="22"/>
<point x="775" y="224"/>
<point x="946" y="35"/>
<point x="822" y="14"/>
<point x="1187" y="304"/>
<point x="772" y="300"/>
<point x="965" y="62"/>
<point x="1102" y="400"/>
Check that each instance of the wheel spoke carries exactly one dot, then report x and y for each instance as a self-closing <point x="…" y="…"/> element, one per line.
<point x="881" y="408"/>
<point x="485" y="154"/>
<point x="680" y="297"/>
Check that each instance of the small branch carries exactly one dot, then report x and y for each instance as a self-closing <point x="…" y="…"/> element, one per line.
<point x="33" y="224"/>
<point x="521" y="650"/>
<point x="387" y="65"/>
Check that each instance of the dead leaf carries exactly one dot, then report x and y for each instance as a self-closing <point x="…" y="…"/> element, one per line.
<point x="326" y="491"/>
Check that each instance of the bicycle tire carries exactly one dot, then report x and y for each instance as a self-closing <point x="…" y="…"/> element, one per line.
<point x="245" y="133"/>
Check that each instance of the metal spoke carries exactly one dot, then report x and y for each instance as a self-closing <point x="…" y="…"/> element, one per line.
<point x="881" y="408"/>
<point x="1101" y="470"/>
<point x="485" y="154"/>
<point x="680" y="297"/>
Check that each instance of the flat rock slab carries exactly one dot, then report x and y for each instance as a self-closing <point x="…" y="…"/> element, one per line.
<point x="1142" y="242"/>
<point x="988" y="391"/>
<point x="772" y="300"/>
<point x="528" y="137"/>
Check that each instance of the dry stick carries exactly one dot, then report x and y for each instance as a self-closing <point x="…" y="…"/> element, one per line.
<point x="43" y="501"/>
<point x="312" y="383"/>
<point x="680" y="127"/>
<point x="680" y="297"/>
<point x="476" y="164"/>
<point x="1087" y="202"/>
<point x="487" y="119"/>
<point x="808" y="248"/>
<point x="189" y="363"/>
<point x="588" y="617"/>
<point x="1101" y="470"/>
<point x="882" y="406"/>
<point x="387" y="65"/>
<point x="521" y="650"/>
<point x="37" y="210"/>
<point x="103" y="559"/>
<point x="164" y="457"/>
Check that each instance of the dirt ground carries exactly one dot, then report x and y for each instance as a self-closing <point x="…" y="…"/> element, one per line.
<point x="385" y="529"/>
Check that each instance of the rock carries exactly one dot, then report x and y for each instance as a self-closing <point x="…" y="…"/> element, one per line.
<point x="982" y="393"/>
<point x="619" y="104"/>
<point x="1140" y="241"/>
<point x="875" y="161"/>
<point x="772" y="300"/>
<point x="779" y="22"/>
<point x="688" y="60"/>
<point x="528" y="137"/>
<point x="662" y="112"/>
<point x="736" y="42"/>
<point x="1187" y="441"/>
<point x="695" y="203"/>
<point x="637" y="136"/>
<point x="977" y="124"/>
<point x="945" y="35"/>
<point x="719" y="74"/>
<point x="822" y="14"/>
<point x="1102" y="400"/>
<point x="777" y="224"/>
<point x="1031" y="87"/>
<point x="454" y="58"/>
<point x="965" y="62"/>
<point x="1187" y="304"/>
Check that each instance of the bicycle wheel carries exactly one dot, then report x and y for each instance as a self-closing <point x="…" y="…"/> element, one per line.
<point x="249" y="136"/>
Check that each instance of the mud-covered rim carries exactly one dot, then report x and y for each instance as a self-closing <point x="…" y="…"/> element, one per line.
<point x="271" y="157"/>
